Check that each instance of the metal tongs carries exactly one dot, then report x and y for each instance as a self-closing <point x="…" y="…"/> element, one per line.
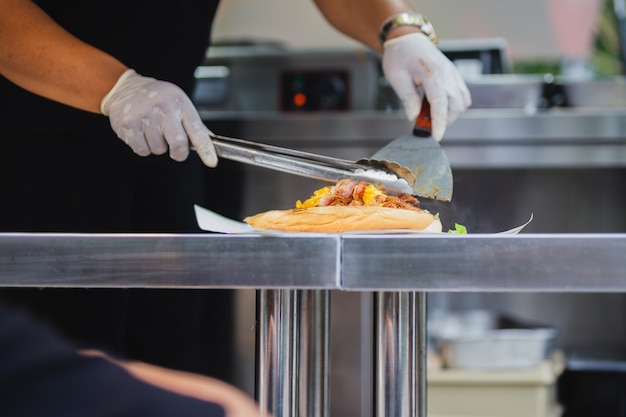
<point x="392" y="177"/>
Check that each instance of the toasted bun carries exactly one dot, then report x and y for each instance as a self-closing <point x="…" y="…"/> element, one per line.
<point x="338" y="219"/>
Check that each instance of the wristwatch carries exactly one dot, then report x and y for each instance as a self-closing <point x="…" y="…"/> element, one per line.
<point x="408" y="19"/>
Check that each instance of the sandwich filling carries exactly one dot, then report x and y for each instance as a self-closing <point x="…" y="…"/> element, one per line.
<point x="357" y="193"/>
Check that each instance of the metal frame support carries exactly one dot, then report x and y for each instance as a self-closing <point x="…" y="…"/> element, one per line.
<point x="400" y="359"/>
<point x="293" y="352"/>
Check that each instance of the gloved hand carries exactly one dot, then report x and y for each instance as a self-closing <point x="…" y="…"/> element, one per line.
<point x="152" y="116"/>
<point x="412" y="60"/>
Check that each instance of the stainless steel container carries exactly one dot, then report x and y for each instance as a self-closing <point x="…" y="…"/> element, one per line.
<point x="484" y="339"/>
<point x="499" y="349"/>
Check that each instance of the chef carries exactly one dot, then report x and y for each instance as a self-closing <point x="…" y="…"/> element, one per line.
<point x="98" y="134"/>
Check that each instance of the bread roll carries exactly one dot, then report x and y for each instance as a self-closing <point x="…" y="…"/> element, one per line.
<point x="338" y="219"/>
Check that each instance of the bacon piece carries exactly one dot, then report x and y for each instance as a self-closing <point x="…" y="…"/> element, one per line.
<point x="409" y="199"/>
<point x="325" y="200"/>
<point x="344" y="189"/>
<point x="359" y="190"/>
<point x="394" y="202"/>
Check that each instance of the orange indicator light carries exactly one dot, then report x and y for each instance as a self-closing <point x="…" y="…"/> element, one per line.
<point x="299" y="99"/>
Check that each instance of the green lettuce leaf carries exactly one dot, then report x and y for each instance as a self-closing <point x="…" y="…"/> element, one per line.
<point x="459" y="229"/>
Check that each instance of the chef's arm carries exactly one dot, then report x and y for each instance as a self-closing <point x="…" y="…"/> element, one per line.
<point x="411" y="61"/>
<point x="235" y="402"/>
<point x="362" y="19"/>
<point x="40" y="56"/>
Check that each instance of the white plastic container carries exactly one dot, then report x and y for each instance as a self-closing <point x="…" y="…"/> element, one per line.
<point x="489" y="393"/>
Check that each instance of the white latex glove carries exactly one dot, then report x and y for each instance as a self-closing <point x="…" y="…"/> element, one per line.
<point x="412" y="60"/>
<point x="152" y="116"/>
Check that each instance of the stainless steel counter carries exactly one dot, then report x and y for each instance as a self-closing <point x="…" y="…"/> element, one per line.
<point x="525" y="262"/>
<point x="486" y="263"/>
<point x="162" y="260"/>
<point x="295" y="273"/>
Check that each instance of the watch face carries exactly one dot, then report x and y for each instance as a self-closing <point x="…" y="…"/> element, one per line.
<point x="428" y="30"/>
<point x="425" y="26"/>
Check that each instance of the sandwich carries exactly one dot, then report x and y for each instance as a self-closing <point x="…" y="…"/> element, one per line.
<point x="349" y="206"/>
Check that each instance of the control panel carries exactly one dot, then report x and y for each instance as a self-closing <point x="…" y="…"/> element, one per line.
<point x="314" y="90"/>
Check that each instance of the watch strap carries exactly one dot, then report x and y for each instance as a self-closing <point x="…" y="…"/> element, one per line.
<point x="407" y="19"/>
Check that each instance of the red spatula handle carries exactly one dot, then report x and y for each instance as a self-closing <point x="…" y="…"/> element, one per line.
<point x="423" y="124"/>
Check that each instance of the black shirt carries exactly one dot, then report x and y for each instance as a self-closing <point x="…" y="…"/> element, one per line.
<point x="42" y="376"/>
<point x="65" y="170"/>
<point x="69" y="163"/>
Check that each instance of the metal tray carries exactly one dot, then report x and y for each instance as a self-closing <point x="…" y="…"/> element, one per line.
<point x="485" y="340"/>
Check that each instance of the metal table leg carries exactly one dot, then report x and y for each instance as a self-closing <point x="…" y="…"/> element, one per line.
<point x="400" y="360"/>
<point x="276" y="362"/>
<point x="292" y="363"/>
<point x="313" y="372"/>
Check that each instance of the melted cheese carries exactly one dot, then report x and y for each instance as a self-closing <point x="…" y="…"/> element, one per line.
<point x="314" y="199"/>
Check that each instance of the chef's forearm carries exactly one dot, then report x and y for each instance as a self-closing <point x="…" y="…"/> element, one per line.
<point x="41" y="57"/>
<point x="361" y="19"/>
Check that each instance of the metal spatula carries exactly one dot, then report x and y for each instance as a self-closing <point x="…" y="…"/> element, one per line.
<point x="423" y="156"/>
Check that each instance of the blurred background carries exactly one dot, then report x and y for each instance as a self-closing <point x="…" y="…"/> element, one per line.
<point x="539" y="32"/>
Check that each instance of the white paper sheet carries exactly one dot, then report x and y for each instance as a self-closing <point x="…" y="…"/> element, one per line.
<point x="210" y="221"/>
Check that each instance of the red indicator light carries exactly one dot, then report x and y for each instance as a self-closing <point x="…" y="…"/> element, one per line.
<point x="299" y="99"/>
